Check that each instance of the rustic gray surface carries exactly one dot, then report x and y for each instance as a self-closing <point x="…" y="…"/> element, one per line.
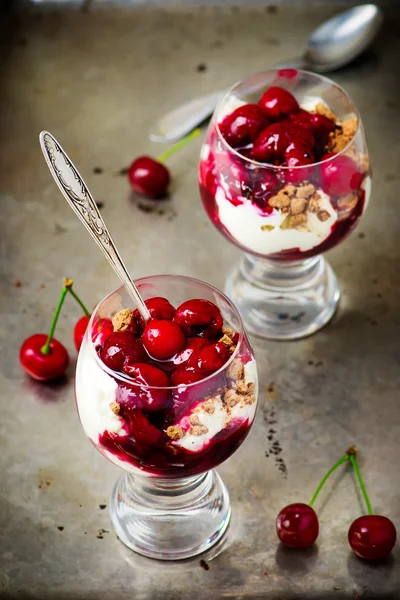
<point x="97" y="80"/>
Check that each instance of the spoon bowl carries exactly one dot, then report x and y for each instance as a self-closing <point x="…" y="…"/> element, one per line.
<point x="340" y="40"/>
<point x="333" y="44"/>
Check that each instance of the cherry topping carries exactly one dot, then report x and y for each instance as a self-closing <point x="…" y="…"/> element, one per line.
<point x="298" y="138"/>
<point x="264" y="184"/>
<point x="243" y="125"/>
<point x="163" y="339"/>
<point x="80" y="330"/>
<point x="199" y="317"/>
<point x="319" y="125"/>
<point x="101" y="329"/>
<point x="271" y="144"/>
<point x="340" y="175"/>
<point x="213" y="357"/>
<point x="278" y="103"/>
<point x="193" y="347"/>
<point x="118" y="346"/>
<point x="234" y="178"/>
<point x="186" y="374"/>
<point x="158" y="307"/>
<point x="147" y="377"/>
<point x="297" y="525"/>
<point x="40" y="366"/>
<point x="140" y="428"/>
<point x="299" y="158"/>
<point x="149" y="177"/>
<point x="372" y="537"/>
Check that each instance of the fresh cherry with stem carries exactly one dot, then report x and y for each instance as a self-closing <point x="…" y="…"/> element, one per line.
<point x="83" y="322"/>
<point x="371" y="537"/>
<point x="297" y="524"/>
<point x="150" y="177"/>
<point x="43" y="357"/>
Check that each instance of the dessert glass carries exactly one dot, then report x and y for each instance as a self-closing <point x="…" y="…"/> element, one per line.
<point x="283" y="287"/>
<point x="169" y="503"/>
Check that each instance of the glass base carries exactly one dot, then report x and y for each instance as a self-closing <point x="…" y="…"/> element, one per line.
<point x="170" y="520"/>
<point x="283" y="301"/>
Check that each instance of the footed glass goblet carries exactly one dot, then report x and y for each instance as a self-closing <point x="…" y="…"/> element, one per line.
<point x="284" y="175"/>
<point x="169" y="503"/>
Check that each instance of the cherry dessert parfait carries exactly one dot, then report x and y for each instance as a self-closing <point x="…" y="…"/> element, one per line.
<point x="167" y="401"/>
<point x="284" y="174"/>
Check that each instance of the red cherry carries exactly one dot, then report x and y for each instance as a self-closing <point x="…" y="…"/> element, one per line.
<point x="193" y="347"/>
<point x="118" y="346"/>
<point x="243" y="125"/>
<point x="297" y="525"/>
<point x="264" y="184"/>
<point x="142" y="395"/>
<point x="101" y="329"/>
<point x="340" y="175"/>
<point x="298" y="138"/>
<point x="158" y="307"/>
<point x="149" y="177"/>
<point x="186" y="374"/>
<point x="319" y="125"/>
<point x="213" y="357"/>
<point x="80" y="330"/>
<point x="140" y="429"/>
<point x="199" y="317"/>
<point x="163" y="339"/>
<point x="271" y="144"/>
<point x="278" y="103"/>
<point x="372" y="537"/>
<point x="43" y="367"/>
<point x="233" y="177"/>
<point x="299" y="158"/>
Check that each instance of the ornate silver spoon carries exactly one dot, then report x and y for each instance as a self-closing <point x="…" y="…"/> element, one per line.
<point x="78" y="196"/>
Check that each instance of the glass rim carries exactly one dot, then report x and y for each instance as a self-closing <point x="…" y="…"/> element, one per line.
<point x="282" y="167"/>
<point x="125" y="378"/>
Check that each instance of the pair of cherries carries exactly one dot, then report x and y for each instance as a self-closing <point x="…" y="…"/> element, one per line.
<point x="371" y="537"/>
<point x="175" y="347"/>
<point x="42" y="356"/>
<point x="278" y="132"/>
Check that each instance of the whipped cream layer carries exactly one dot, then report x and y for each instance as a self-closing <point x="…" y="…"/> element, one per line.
<point x="261" y="232"/>
<point x="217" y="420"/>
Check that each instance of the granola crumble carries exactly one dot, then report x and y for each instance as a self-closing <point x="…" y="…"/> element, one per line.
<point x="115" y="407"/>
<point x="122" y="319"/>
<point x="175" y="432"/>
<point x="198" y="430"/>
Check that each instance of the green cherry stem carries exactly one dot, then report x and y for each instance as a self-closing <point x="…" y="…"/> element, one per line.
<point x="46" y="347"/>
<point x="342" y="460"/>
<point x="68" y="284"/>
<point x="181" y="144"/>
<point x="361" y="483"/>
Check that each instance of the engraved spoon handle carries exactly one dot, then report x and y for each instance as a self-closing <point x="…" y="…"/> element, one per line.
<point x="81" y="201"/>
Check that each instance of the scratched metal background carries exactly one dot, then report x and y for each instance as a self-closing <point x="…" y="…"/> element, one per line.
<point x="97" y="78"/>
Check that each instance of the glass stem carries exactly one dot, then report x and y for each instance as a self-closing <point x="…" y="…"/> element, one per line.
<point x="46" y="347"/>
<point x="181" y="144"/>
<point x="327" y="475"/>
<point x="361" y="484"/>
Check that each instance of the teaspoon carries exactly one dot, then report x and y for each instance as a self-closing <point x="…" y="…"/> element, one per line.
<point x="78" y="196"/>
